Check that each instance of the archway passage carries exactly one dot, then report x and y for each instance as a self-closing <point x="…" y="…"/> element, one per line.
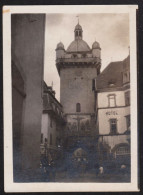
<point x="18" y="95"/>
<point x="80" y="160"/>
<point x="79" y="156"/>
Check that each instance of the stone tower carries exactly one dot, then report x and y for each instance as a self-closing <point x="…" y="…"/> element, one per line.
<point x="78" y="67"/>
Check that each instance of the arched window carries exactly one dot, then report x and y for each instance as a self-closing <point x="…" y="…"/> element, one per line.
<point x="78" y="108"/>
<point x="74" y="55"/>
<point x="84" y="55"/>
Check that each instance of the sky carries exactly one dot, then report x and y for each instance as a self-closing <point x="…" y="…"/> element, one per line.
<point x="110" y="30"/>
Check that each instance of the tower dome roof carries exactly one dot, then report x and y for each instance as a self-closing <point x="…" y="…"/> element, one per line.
<point x="78" y="45"/>
<point x="60" y="45"/>
<point x="78" y="27"/>
<point x="95" y="45"/>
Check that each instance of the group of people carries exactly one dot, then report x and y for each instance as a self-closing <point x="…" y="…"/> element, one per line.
<point x="49" y="168"/>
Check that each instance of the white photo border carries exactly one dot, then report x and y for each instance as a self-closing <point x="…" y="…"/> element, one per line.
<point x="10" y="186"/>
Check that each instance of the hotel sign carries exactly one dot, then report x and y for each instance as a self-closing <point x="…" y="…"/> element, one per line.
<point x="111" y="113"/>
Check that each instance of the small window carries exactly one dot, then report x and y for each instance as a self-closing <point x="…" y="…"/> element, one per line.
<point x="127" y="98"/>
<point x="93" y="84"/>
<point x="46" y="140"/>
<point x="126" y="77"/>
<point x="74" y="55"/>
<point x="41" y="138"/>
<point x="128" y="121"/>
<point x="76" y="33"/>
<point x="113" y="126"/>
<point x="51" y="122"/>
<point x="112" y="100"/>
<point x="78" y="108"/>
<point x="80" y="33"/>
<point x="84" y="55"/>
<point x="51" y="141"/>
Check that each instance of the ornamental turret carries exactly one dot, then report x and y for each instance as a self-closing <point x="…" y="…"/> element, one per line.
<point x="60" y="51"/>
<point x="96" y="50"/>
<point x="78" y="32"/>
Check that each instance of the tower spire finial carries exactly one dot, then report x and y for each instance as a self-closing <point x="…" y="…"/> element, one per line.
<point x="77" y="19"/>
<point x="129" y="49"/>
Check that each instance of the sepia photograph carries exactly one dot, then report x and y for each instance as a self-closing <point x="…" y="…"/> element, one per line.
<point x="72" y="90"/>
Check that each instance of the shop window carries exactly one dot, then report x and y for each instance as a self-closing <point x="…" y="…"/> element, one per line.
<point x="51" y="141"/>
<point x="112" y="100"/>
<point x="78" y="107"/>
<point x="127" y="98"/>
<point x="123" y="150"/>
<point x="113" y="126"/>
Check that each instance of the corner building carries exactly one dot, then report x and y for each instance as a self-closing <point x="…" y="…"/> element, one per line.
<point x="113" y="92"/>
<point x="78" y="66"/>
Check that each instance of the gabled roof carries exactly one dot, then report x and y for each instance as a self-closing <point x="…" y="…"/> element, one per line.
<point x="112" y="76"/>
<point x="51" y="92"/>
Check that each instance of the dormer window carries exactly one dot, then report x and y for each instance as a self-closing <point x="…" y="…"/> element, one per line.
<point x="126" y="77"/>
<point x="111" y="83"/>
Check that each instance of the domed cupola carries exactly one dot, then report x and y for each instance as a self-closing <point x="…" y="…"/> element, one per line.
<point x="60" y="45"/>
<point x="96" y="45"/>
<point x="78" y="31"/>
<point x="78" y="27"/>
<point x="78" y="45"/>
<point x="60" y="51"/>
<point x="96" y="50"/>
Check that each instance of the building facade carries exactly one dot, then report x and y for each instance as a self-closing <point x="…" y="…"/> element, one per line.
<point x="113" y="92"/>
<point x="52" y="124"/>
<point x="27" y="51"/>
<point x="78" y="66"/>
<point x="96" y="105"/>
